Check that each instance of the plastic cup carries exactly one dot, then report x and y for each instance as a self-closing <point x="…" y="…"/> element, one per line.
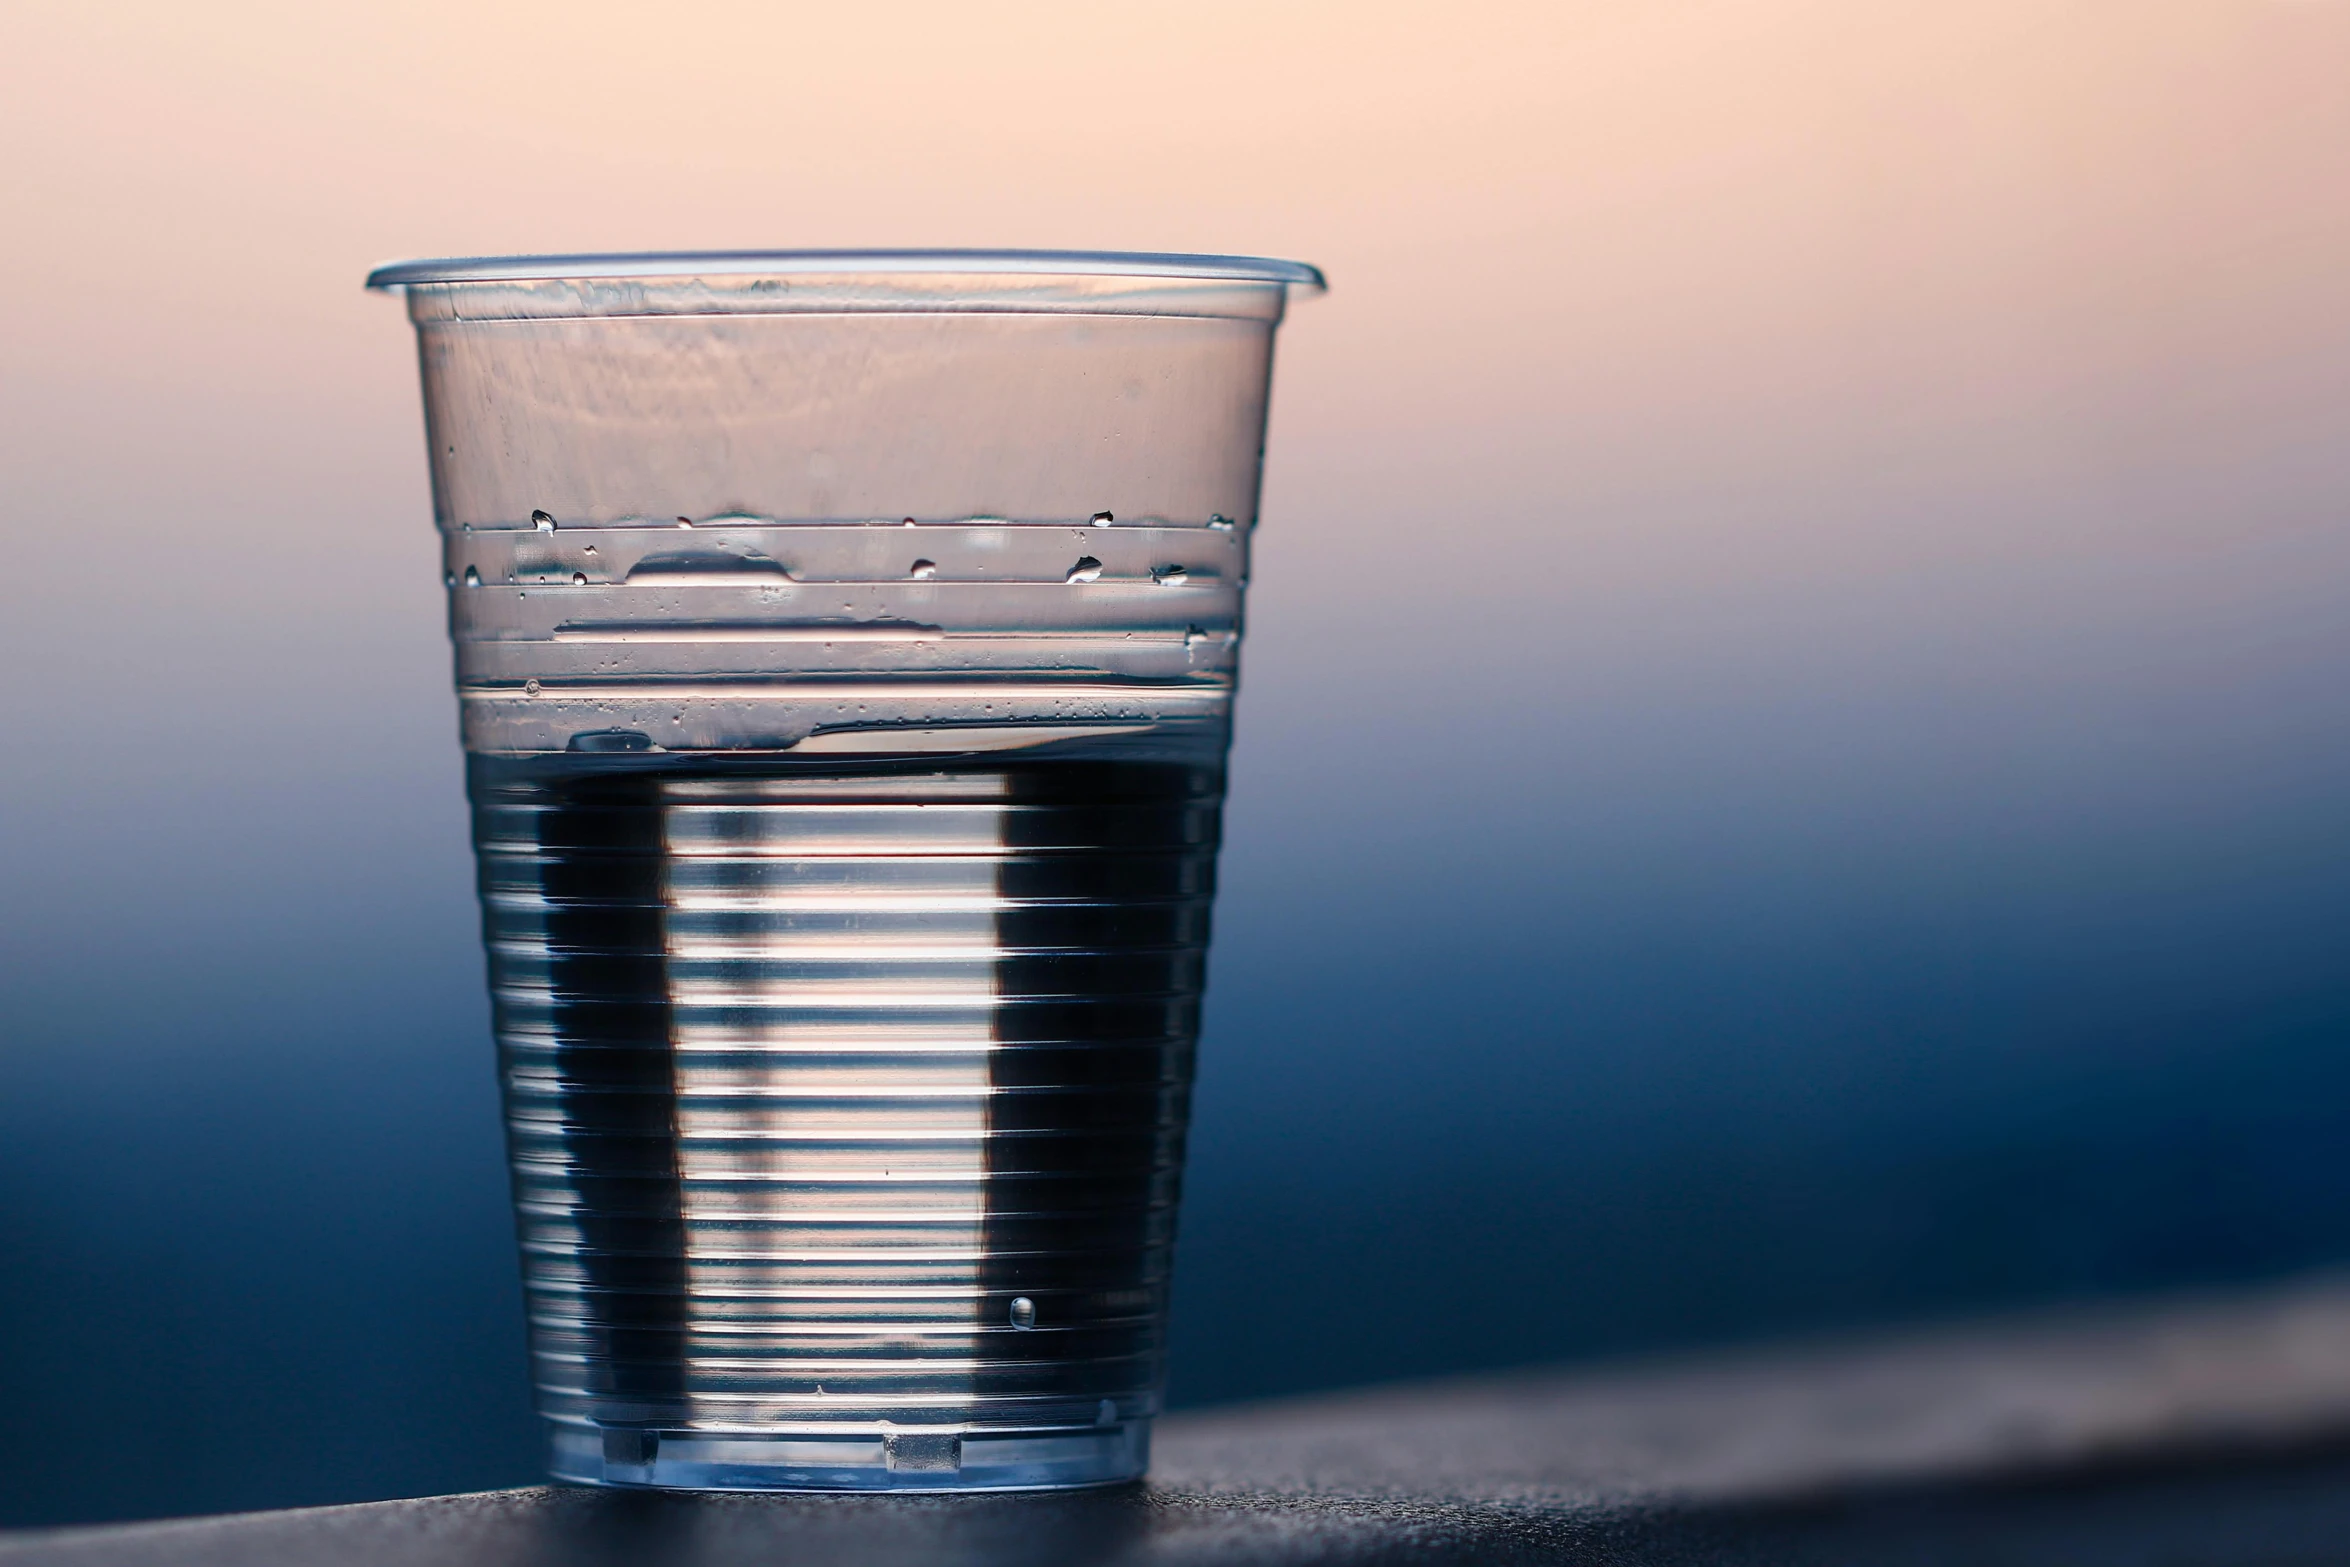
<point x="845" y="648"/>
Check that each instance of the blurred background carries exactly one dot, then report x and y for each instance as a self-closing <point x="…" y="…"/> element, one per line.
<point x="1793" y="771"/>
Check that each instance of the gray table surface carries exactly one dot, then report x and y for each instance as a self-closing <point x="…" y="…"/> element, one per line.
<point x="2199" y="1430"/>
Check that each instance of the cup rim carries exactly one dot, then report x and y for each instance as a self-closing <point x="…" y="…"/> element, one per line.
<point x="818" y="263"/>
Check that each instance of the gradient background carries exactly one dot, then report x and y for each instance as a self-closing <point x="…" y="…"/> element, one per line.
<point x="1793" y="767"/>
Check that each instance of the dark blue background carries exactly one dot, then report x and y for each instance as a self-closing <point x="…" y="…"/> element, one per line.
<point x="1595" y="974"/>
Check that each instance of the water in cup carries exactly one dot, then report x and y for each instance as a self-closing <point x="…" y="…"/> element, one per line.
<point x="849" y="1093"/>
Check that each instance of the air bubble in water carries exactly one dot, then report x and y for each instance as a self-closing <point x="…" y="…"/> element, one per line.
<point x="923" y="570"/>
<point x="472" y="576"/>
<point x="542" y="521"/>
<point x="1102" y="519"/>
<point x="611" y="740"/>
<point x="1170" y="576"/>
<point x="1023" y="1312"/>
<point x="1087" y="569"/>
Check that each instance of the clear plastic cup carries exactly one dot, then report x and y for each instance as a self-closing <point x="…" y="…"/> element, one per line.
<point x="845" y="647"/>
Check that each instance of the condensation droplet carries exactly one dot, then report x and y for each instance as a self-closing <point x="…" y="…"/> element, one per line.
<point x="473" y="576"/>
<point x="542" y="521"/>
<point x="1087" y="569"/>
<point x="448" y="579"/>
<point x="1170" y="576"/>
<point x="531" y="686"/>
<point x="1102" y="519"/>
<point x="1023" y="1312"/>
<point x="685" y="522"/>
<point x="923" y="570"/>
<point x="1193" y="637"/>
<point x="909" y="522"/>
<point x="579" y="579"/>
<point x="1220" y="522"/>
<point x="1106" y="1414"/>
<point x="590" y="550"/>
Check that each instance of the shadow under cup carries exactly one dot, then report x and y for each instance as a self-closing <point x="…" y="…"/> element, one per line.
<point x="845" y="652"/>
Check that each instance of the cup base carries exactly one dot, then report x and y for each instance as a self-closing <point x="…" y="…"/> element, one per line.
<point x="909" y="1460"/>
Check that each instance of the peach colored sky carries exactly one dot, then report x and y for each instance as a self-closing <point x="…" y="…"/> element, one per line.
<point x="1827" y="289"/>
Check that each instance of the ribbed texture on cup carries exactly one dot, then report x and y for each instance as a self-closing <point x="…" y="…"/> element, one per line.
<point x="743" y="634"/>
<point x="810" y="1079"/>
